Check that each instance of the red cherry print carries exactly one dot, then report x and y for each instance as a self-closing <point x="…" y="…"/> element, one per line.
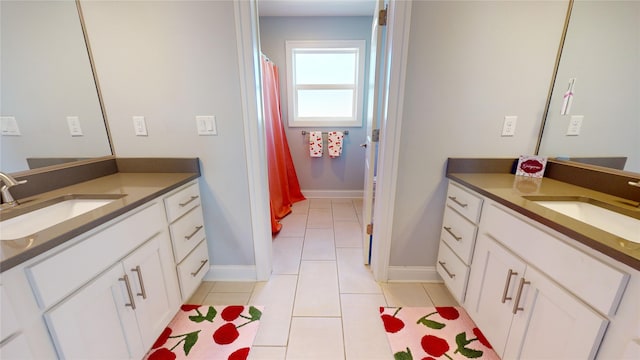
<point x="483" y="340"/>
<point x="162" y="354"/>
<point x="240" y="354"/>
<point x="162" y="338"/>
<point x="226" y="334"/>
<point x="434" y="345"/>
<point x="187" y="307"/>
<point x="391" y="323"/>
<point x="381" y="309"/>
<point x="428" y="358"/>
<point x="448" y="312"/>
<point x="231" y="313"/>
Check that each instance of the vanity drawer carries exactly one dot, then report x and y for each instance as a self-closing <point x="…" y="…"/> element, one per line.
<point x="454" y="272"/>
<point x="192" y="269"/>
<point x="182" y="201"/>
<point x="459" y="234"/>
<point x="186" y="233"/>
<point x="464" y="202"/>
<point x="56" y="276"/>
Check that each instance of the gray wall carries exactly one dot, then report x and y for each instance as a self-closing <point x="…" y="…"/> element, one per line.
<point x="318" y="174"/>
<point x="470" y="63"/>
<point x="171" y="61"/>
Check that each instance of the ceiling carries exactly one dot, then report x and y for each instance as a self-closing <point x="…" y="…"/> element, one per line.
<point x="316" y="7"/>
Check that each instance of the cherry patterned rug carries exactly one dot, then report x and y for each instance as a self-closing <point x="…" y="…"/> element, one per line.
<point x="223" y="332"/>
<point x="423" y="333"/>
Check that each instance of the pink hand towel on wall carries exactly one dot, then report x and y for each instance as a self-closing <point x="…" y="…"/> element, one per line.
<point x="315" y="143"/>
<point x="334" y="143"/>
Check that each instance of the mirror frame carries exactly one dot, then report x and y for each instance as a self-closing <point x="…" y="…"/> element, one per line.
<point x="548" y="103"/>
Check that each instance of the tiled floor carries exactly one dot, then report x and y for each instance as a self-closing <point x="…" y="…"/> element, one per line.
<point x="321" y="301"/>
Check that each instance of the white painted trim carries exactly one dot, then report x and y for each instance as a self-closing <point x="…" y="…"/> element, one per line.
<point x="246" y="20"/>
<point x="413" y="274"/>
<point x="342" y="194"/>
<point x="398" y="26"/>
<point x="231" y="273"/>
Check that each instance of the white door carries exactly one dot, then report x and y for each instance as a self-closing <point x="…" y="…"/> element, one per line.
<point x="95" y="323"/>
<point x="552" y="324"/>
<point x="375" y="108"/>
<point x="154" y="287"/>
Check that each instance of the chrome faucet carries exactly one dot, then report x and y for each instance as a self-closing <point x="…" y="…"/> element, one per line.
<point x="9" y="182"/>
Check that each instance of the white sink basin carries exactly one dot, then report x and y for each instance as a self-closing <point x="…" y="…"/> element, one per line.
<point x="610" y="221"/>
<point x="37" y="220"/>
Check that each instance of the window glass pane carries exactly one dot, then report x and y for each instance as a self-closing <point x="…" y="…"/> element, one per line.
<point x="325" y="103"/>
<point x="321" y="68"/>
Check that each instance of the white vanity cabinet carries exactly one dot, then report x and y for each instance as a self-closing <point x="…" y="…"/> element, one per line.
<point x="186" y="226"/>
<point x="457" y="239"/>
<point x="13" y="343"/>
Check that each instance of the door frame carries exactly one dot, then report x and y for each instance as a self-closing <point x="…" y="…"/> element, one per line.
<point x="247" y="38"/>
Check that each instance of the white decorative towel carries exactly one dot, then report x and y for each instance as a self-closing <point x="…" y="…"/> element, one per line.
<point x="315" y="143"/>
<point x="334" y="143"/>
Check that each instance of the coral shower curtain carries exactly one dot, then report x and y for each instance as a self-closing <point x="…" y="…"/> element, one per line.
<point x="284" y="188"/>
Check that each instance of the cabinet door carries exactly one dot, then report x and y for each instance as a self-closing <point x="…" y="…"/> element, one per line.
<point x="95" y="322"/>
<point x="494" y="275"/>
<point x="154" y="286"/>
<point x="550" y="323"/>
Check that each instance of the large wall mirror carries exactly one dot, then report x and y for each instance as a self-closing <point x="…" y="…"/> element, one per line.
<point x="601" y="56"/>
<point x="47" y="82"/>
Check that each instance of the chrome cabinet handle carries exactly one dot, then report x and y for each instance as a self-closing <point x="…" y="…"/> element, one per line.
<point x="506" y="285"/>
<point x="516" y="304"/>
<point x="636" y="184"/>
<point x="448" y="229"/>
<point x="364" y="145"/>
<point x="455" y="200"/>
<point x="143" y="292"/>
<point x="192" y="198"/>
<point x="446" y="270"/>
<point x="202" y="263"/>
<point x="188" y="237"/>
<point x="132" y="302"/>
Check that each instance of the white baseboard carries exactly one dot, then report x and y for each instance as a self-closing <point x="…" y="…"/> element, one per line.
<point x="341" y="194"/>
<point x="413" y="274"/>
<point x="231" y="273"/>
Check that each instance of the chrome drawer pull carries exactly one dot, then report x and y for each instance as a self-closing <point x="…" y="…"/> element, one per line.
<point x="202" y="263"/>
<point x="448" y="229"/>
<point x="446" y="270"/>
<point x="506" y="286"/>
<point x="188" y="237"/>
<point x="132" y="302"/>
<point x="143" y="292"/>
<point x="515" y="304"/>
<point x="193" y="197"/>
<point x="455" y="200"/>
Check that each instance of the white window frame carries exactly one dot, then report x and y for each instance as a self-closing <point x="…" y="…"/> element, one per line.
<point x="326" y="46"/>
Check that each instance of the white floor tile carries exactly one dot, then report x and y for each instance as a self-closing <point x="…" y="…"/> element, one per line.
<point x="319" y="218"/>
<point x="353" y="275"/>
<point x="300" y="207"/>
<point x="405" y="294"/>
<point x="317" y="293"/>
<point x="364" y="334"/>
<point x="287" y="252"/>
<point x="319" y="245"/>
<point x="233" y="286"/>
<point x="277" y="296"/>
<point x="439" y="294"/>
<point x="315" y="339"/>
<point x="344" y="212"/>
<point x="348" y="233"/>
<point x="319" y="203"/>
<point x="200" y="293"/>
<point x="227" y="298"/>
<point x="267" y="353"/>
<point x="293" y="225"/>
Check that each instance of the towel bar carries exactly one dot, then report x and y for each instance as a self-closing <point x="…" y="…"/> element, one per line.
<point x="304" y="132"/>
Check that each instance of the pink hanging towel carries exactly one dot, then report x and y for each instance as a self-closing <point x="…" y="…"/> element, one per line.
<point x="315" y="143"/>
<point x="334" y="143"/>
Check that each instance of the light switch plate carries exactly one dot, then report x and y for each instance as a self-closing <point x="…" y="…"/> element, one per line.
<point x="139" y="126"/>
<point x="9" y="126"/>
<point x="206" y="125"/>
<point x="509" y="125"/>
<point x="74" y="126"/>
<point x="575" y="123"/>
